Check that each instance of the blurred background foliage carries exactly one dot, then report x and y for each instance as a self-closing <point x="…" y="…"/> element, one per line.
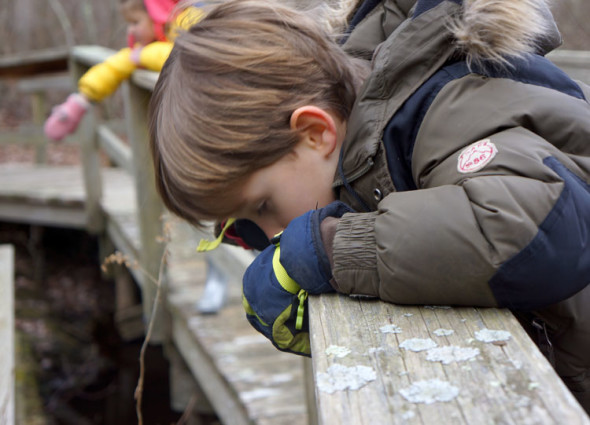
<point x="29" y="25"/>
<point x="33" y="25"/>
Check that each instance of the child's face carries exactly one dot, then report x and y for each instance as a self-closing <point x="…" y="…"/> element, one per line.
<point x="295" y="184"/>
<point x="140" y="27"/>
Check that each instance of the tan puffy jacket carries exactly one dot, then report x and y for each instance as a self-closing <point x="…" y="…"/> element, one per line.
<point x="470" y="169"/>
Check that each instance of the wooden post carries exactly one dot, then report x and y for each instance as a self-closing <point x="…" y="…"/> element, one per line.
<point x="150" y="207"/>
<point x="39" y="107"/>
<point x="90" y="162"/>
<point x="310" y="398"/>
<point x="91" y="170"/>
<point x="185" y="391"/>
<point x="7" y="335"/>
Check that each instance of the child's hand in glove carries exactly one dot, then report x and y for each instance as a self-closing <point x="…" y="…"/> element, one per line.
<point x="64" y="118"/>
<point x="277" y="282"/>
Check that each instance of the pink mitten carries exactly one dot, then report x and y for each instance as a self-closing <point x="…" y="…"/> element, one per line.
<point x="64" y="118"/>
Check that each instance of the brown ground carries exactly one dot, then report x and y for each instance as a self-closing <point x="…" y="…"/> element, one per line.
<point x="72" y="366"/>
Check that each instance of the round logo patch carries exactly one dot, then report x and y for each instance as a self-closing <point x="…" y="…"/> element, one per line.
<point x="476" y="156"/>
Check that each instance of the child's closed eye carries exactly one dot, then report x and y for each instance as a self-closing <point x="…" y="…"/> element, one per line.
<point x="262" y="208"/>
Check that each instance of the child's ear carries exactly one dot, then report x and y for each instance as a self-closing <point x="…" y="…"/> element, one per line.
<point x="316" y="127"/>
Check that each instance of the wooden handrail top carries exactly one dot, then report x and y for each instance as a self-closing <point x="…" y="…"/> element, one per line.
<point x="91" y="55"/>
<point x="145" y="79"/>
<point x="39" y="84"/>
<point x="571" y="58"/>
<point x="380" y="363"/>
<point x="34" y="62"/>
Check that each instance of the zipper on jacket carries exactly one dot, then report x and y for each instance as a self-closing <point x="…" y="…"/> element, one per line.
<point x="342" y="179"/>
<point x="346" y="182"/>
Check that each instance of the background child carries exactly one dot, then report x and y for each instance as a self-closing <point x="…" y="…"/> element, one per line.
<point x="151" y="25"/>
<point x="457" y="174"/>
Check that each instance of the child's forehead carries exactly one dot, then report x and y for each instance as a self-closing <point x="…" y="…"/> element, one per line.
<point x="133" y="14"/>
<point x="131" y="7"/>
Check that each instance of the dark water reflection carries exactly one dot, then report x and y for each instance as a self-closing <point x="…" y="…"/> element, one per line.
<point x="72" y="367"/>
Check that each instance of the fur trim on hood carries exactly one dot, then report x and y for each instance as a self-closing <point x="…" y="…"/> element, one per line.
<point x="496" y="30"/>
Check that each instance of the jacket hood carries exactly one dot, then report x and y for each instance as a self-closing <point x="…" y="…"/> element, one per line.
<point x="160" y="10"/>
<point x="494" y="30"/>
<point x="490" y="31"/>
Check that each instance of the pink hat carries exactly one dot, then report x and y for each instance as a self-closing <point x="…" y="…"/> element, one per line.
<point x="160" y="11"/>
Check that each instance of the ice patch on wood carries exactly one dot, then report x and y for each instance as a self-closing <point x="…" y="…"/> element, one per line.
<point x="279" y="378"/>
<point x="340" y="378"/>
<point x="337" y="351"/>
<point x="490" y="335"/>
<point x="418" y="344"/>
<point x="410" y="414"/>
<point x="390" y="329"/>
<point x="451" y="353"/>
<point x="430" y="391"/>
<point x="443" y="332"/>
<point x="258" y="393"/>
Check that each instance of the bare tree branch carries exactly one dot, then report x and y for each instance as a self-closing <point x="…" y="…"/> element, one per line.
<point x="90" y="21"/>
<point x="64" y="21"/>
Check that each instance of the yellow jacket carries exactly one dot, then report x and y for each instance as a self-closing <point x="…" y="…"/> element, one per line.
<point x="103" y="79"/>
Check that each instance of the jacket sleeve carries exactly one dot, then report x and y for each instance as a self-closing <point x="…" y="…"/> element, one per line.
<point x="154" y="55"/>
<point x="513" y="234"/>
<point x="103" y="79"/>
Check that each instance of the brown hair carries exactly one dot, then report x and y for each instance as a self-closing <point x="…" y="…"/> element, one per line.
<point x="222" y="104"/>
<point x="128" y="5"/>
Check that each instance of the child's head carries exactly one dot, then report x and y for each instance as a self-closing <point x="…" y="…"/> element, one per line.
<point x="147" y="19"/>
<point x="238" y="94"/>
<point x="140" y="27"/>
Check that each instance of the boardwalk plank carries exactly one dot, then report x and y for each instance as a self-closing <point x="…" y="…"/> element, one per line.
<point x="7" y="361"/>
<point x="245" y="378"/>
<point x="55" y="195"/>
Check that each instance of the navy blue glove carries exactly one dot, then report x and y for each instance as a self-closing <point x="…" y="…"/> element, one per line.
<point x="302" y="251"/>
<point x="277" y="282"/>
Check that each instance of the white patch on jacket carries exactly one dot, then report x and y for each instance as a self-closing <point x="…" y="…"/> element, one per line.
<point x="476" y="156"/>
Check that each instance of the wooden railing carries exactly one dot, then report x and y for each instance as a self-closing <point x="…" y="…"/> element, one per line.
<point x="36" y="74"/>
<point x="135" y="228"/>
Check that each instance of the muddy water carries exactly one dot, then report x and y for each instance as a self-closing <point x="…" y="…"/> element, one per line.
<point x="72" y="366"/>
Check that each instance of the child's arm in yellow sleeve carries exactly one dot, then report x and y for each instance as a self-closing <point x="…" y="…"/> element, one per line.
<point x="103" y="79"/>
<point x="154" y="55"/>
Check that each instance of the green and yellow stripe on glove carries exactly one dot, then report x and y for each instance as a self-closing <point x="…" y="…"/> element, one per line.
<point x="275" y="304"/>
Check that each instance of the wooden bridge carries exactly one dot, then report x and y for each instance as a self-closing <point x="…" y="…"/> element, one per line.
<point x="370" y="360"/>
